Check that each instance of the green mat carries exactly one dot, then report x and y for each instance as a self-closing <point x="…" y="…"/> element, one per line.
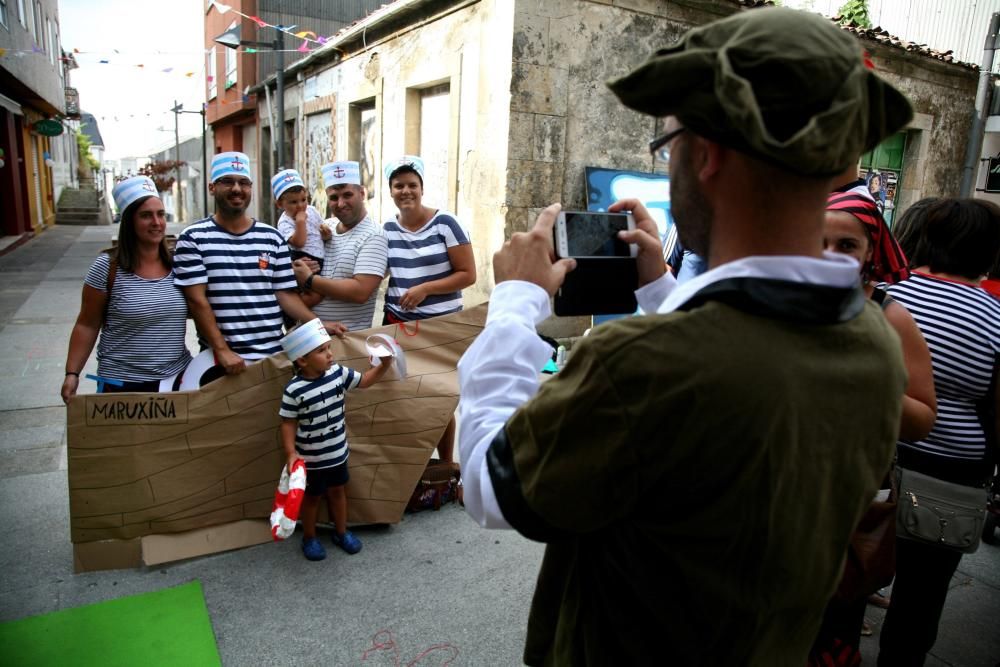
<point x="168" y="627"/>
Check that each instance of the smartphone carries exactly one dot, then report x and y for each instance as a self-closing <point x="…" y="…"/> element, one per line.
<point x="582" y="234"/>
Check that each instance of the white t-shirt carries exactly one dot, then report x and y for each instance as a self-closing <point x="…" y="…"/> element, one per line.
<point x="361" y="250"/>
<point x="314" y="240"/>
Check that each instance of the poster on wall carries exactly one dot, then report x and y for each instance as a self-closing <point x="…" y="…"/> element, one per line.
<point x="367" y="151"/>
<point x="882" y="186"/>
<point x="606" y="186"/>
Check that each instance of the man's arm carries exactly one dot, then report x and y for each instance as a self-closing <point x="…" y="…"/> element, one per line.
<point x="355" y="289"/>
<point x="496" y="375"/>
<point x="499" y="371"/>
<point x="291" y="304"/>
<point x="208" y="328"/>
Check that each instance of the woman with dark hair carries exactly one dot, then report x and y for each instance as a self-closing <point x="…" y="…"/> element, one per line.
<point x="130" y="299"/>
<point x="958" y="244"/>
<point x="853" y="226"/>
<point x="430" y="255"/>
<point x="430" y="259"/>
<point x="908" y="230"/>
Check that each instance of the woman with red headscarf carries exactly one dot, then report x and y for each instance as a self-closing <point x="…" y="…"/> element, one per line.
<point x="854" y="226"/>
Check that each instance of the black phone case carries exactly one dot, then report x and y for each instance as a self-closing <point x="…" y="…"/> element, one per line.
<point x="599" y="286"/>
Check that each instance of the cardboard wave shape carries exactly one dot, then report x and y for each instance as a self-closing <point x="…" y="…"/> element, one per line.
<point x="159" y="477"/>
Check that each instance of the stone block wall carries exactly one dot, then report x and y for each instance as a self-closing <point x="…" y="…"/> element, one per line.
<point x="943" y="97"/>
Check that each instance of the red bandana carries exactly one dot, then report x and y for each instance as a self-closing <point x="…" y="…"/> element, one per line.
<point x="889" y="264"/>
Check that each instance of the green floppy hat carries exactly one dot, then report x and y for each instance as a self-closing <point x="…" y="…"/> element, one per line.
<point x="782" y="85"/>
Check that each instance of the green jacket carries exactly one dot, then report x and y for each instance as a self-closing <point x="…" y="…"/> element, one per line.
<point x="697" y="475"/>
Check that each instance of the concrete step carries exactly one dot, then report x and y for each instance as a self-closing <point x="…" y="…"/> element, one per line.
<point x="78" y="219"/>
<point x="79" y="209"/>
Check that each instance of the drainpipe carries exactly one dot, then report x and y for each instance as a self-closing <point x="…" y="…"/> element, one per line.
<point x="975" y="145"/>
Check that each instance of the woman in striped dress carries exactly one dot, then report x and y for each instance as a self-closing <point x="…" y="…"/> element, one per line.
<point x="142" y="319"/>
<point x="430" y="259"/>
<point x="959" y="242"/>
<point x="430" y="255"/>
<point x="853" y="226"/>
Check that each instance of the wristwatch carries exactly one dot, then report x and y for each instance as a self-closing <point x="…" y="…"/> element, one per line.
<point x="308" y="282"/>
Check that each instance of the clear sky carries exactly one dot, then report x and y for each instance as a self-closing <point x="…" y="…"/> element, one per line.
<point x="131" y="102"/>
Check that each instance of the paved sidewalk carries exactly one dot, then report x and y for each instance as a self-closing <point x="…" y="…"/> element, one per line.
<point x="435" y="578"/>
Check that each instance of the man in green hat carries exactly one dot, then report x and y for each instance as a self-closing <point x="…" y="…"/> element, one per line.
<point x="696" y="472"/>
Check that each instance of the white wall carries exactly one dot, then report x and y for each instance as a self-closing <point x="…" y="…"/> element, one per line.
<point x="943" y="25"/>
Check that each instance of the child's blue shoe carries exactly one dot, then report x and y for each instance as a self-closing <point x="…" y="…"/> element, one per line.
<point x="348" y="542"/>
<point x="313" y="550"/>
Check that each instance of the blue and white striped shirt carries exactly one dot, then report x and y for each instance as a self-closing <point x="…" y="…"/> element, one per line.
<point x="419" y="257"/>
<point x="318" y="405"/>
<point x="242" y="273"/>
<point x="143" y="337"/>
<point x="961" y="325"/>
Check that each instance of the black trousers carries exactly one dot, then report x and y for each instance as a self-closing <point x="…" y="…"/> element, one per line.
<point x="923" y="573"/>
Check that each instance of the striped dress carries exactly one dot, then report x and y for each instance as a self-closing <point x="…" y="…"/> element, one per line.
<point x="142" y="339"/>
<point x="961" y="324"/>
<point x="242" y="272"/>
<point x="419" y="257"/>
<point x="318" y="405"/>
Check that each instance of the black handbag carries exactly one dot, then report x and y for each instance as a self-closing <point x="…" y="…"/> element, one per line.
<point x="938" y="512"/>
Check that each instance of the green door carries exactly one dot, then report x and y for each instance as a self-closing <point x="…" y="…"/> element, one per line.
<point x="882" y="169"/>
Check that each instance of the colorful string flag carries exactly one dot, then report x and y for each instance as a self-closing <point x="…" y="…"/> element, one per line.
<point x="258" y="21"/>
<point x="250" y="50"/>
<point x="169" y="69"/>
<point x="305" y="36"/>
<point x="189" y="74"/>
<point x="3" y="52"/>
<point x="221" y="8"/>
<point x="102" y="62"/>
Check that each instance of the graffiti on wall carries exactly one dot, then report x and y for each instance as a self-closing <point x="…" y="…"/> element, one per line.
<point x="319" y="151"/>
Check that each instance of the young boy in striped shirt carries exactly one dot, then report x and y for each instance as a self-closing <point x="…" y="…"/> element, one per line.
<point x="313" y="429"/>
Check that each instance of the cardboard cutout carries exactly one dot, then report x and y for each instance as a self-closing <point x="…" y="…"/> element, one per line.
<point x="159" y="477"/>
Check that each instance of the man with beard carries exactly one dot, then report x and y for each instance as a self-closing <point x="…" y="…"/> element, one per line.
<point x="696" y="472"/>
<point x="236" y="273"/>
<point x="355" y="257"/>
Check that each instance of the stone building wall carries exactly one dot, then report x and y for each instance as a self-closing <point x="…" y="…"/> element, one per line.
<point x="563" y="117"/>
<point x="943" y="97"/>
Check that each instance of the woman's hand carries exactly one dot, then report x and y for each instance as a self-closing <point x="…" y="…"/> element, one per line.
<point x="413" y="297"/>
<point x="69" y="387"/>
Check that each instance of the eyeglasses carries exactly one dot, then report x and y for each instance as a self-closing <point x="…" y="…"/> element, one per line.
<point x="231" y="183"/>
<point x="659" y="147"/>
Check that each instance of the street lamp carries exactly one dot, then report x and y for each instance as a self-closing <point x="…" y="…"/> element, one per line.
<point x="231" y="39"/>
<point x="179" y="109"/>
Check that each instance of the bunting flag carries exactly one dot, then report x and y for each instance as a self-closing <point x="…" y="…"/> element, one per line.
<point x="308" y="36"/>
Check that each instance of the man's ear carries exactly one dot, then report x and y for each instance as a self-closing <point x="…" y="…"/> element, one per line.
<point x="712" y="158"/>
